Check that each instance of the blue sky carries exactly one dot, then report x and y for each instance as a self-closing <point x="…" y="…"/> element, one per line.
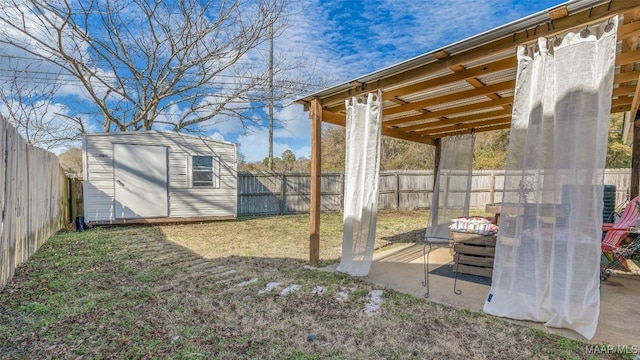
<point x="345" y="39"/>
<point x="334" y="40"/>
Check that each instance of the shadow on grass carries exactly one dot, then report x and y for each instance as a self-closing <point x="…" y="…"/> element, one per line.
<point x="128" y="292"/>
<point x="407" y="237"/>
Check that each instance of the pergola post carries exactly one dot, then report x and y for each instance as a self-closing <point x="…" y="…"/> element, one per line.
<point x="635" y="159"/>
<point x="436" y="161"/>
<point x="315" y="114"/>
<point x="631" y="44"/>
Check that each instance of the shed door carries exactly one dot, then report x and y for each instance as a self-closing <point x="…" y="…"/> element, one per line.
<point x="140" y="176"/>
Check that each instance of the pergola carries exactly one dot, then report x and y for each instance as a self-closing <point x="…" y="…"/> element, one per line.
<point x="469" y="86"/>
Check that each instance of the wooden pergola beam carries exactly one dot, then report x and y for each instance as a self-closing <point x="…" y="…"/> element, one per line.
<point x="444" y="99"/>
<point x="417" y="132"/>
<point x="447" y="112"/>
<point x="462" y="75"/>
<point x="627" y="76"/>
<point x="463" y="120"/>
<point x="558" y="13"/>
<point x="628" y="30"/>
<point x="315" y="114"/>
<point x="408" y="136"/>
<point x="620" y="108"/>
<point x="333" y="118"/>
<point x="458" y="127"/>
<point x="339" y="119"/>
<point x="435" y="128"/>
<point x="624" y="90"/>
<point x="628" y="57"/>
<point x="436" y="116"/>
<point x="623" y="101"/>
<point x="476" y="130"/>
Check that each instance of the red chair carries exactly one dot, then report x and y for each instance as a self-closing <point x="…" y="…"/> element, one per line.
<point x="618" y="231"/>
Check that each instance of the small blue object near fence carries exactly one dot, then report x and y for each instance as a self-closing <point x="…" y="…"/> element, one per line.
<point x="80" y="226"/>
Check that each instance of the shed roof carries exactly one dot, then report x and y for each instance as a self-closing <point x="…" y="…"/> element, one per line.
<point x="469" y="85"/>
<point x="164" y="133"/>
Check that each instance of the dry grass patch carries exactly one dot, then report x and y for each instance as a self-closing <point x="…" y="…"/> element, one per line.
<point x="288" y="236"/>
<point x="158" y="292"/>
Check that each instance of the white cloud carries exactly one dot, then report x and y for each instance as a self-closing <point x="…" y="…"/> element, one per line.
<point x="166" y="118"/>
<point x="293" y="123"/>
<point x="254" y="145"/>
<point x="217" y="136"/>
<point x="292" y="132"/>
<point x="304" y="151"/>
<point x="225" y="124"/>
<point x="423" y="28"/>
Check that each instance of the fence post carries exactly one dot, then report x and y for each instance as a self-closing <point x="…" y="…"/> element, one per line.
<point x="342" y="191"/>
<point x="492" y="187"/>
<point x="283" y="181"/>
<point x="73" y="200"/>
<point x="397" y="191"/>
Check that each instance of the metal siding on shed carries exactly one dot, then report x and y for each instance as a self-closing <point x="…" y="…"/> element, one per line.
<point x="98" y="179"/>
<point x="184" y="201"/>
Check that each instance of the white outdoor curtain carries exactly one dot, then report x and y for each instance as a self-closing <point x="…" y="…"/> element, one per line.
<point x="548" y="249"/>
<point x="362" y="171"/>
<point x="452" y="190"/>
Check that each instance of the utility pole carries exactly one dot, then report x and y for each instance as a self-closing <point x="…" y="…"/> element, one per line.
<point x="271" y="97"/>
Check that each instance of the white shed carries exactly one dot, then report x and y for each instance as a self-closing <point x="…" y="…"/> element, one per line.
<point x="157" y="176"/>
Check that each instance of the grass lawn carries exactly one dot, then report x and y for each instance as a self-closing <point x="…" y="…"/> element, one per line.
<point x="197" y="291"/>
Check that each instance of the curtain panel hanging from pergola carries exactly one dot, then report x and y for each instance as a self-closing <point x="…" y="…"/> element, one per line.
<point x="452" y="191"/>
<point x="548" y="249"/>
<point x="362" y="171"/>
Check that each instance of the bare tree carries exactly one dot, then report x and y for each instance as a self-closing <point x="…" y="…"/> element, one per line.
<point x="71" y="161"/>
<point x="29" y="106"/>
<point x="179" y="64"/>
<point x="395" y="154"/>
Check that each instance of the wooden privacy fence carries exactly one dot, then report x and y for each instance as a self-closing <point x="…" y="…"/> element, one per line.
<point x="289" y="193"/>
<point x="76" y="198"/>
<point x="33" y="199"/>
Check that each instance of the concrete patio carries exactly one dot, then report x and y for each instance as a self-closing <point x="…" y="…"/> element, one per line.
<point x="401" y="269"/>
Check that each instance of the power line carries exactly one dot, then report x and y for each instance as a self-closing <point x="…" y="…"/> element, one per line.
<point x="69" y="79"/>
<point x="121" y="68"/>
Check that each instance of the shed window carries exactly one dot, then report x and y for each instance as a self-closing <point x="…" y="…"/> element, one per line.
<point x="202" y="171"/>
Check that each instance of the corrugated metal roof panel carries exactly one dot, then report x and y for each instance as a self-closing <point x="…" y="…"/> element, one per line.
<point x="466" y="101"/>
<point x="498" y="77"/>
<point x="438" y="91"/>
